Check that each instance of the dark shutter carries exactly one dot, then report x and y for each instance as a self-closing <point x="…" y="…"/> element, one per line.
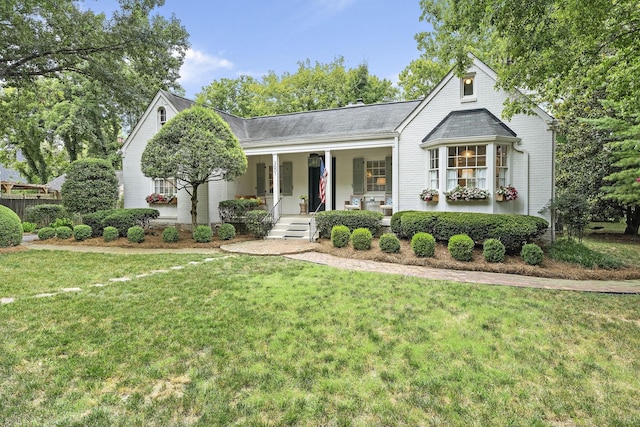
<point x="358" y="175"/>
<point x="287" y="178"/>
<point x="388" y="169"/>
<point x="261" y="188"/>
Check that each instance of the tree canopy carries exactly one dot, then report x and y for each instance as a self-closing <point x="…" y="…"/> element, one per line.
<point x="195" y="146"/>
<point x="312" y="87"/>
<point x="91" y="185"/>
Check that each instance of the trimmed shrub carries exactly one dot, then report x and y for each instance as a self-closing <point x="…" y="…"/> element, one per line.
<point x="361" y="239"/>
<point x="82" y="232"/>
<point x="28" y="227"/>
<point x="389" y="243"/>
<point x="202" y="234"/>
<point x="396" y="223"/>
<point x="532" y="254"/>
<point x="423" y="244"/>
<point x="62" y="222"/>
<point x="135" y="234"/>
<point x="94" y="220"/>
<point x="226" y="231"/>
<point x="170" y="235"/>
<point x="109" y="234"/>
<point x="340" y="236"/>
<point x="235" y="210"/>
<point x="46" y="233"/>
<point x="256" y="224"/>
<point x="352" y="219"/>
<point x="461" y="247"/>
<point x="416" y="222"/>
<point x="10" y="228"/>
<point x="123" y="219"/>
<point x="63" y="232"/>
<point x="493" y="250"/>
<point x="43" y="215"/>
<point x="91" y="185"/>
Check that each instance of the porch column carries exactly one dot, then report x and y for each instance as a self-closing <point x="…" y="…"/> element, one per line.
<point x="395" y="175"/>
<point x="327" y="188"/>
<point x="276" y="183"/>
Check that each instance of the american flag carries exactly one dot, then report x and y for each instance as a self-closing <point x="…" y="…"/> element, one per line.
<point x="324" y="173"/>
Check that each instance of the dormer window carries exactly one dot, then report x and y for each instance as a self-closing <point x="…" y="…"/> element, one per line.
<point x="468" y="89"/>
<point x="162" y="116"/>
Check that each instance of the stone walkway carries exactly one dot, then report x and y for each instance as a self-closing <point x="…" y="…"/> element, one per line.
<point x="304" y="251"/>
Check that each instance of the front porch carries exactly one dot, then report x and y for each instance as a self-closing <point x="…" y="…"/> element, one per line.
<point x="302" y="227"/>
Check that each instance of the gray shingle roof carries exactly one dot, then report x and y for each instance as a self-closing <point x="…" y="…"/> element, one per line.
<point x="469" y="123"/>
<point x="178" y="101"/>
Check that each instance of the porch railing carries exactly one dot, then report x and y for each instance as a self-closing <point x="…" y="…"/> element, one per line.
<point x="272" y="217"/>
<point x="312" y="223"/>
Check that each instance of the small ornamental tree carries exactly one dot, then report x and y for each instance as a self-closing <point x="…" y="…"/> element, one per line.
<point x="91" y="185"/>
<point x="195" y="147"/>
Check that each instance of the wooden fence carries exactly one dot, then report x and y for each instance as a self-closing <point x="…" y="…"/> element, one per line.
<point x="20" y="205"/>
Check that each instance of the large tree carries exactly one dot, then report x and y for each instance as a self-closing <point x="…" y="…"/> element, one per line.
<point x="312" y="87"/>
<point x="196" y="146"/>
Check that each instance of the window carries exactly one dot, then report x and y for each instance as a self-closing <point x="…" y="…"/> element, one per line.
<point x="434" y="165"/>
<point x="467" y="89"/>
<point x="376" y="175"/>
<point x="501" y="165"/>
<point x="164" y="186"/>
<point x="162" y="116"/>
<point x="467" y="166"/>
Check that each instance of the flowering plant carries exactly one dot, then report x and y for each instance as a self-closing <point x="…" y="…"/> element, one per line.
<point x="428" y="194"/>
<point x="509" y="192"/>
<point x="466" y="193"/>
<point x="160" y="198"/>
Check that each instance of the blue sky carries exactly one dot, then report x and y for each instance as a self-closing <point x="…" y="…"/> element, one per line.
<point x="234" y="37"/>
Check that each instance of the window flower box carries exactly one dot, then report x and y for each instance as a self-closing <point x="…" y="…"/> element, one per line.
<point x="429" y="195"/>
<point x="466" y="194"/>
<point x="506" y="193"/>
<point x="167" y="199"/>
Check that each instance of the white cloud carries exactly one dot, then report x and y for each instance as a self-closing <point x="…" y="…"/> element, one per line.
<point x="333" y="5"/>
<point x="199" y="67"/>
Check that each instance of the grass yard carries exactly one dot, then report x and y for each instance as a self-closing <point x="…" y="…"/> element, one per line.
<point x="269" y="341"/>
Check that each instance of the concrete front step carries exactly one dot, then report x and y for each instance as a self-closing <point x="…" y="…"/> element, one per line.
<point x="290" y="228"/>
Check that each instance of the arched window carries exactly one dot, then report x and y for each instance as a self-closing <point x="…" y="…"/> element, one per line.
<point x="162" y="116"/>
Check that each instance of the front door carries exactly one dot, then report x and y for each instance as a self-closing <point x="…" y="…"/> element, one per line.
<point x="314" y="186"/>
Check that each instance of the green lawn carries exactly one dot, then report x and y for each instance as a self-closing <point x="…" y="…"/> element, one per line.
<point x="269" y="341"/>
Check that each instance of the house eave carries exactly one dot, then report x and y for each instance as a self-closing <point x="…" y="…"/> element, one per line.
<point x="470" y="140"/>
<point x="320" y="139"/>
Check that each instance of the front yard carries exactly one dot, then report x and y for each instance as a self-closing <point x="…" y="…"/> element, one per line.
<point x="269" y="341"/>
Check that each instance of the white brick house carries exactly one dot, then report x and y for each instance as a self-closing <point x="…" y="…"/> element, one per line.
<point x="381" y="153"/>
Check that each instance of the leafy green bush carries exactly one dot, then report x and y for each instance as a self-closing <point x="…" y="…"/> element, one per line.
<point x="28" y="227"/>
<point x="423" y="244"/>
<point x="461" y="247"/>
<point x="82" y="232"/>
<point x="396" y="223"/>
<point x="135" y="234"/>
<point x="94" y="220"/>
<point x="170" y="235"/>
<point x="202" y="234"/>
<point x="235" y="210"/>
<point x="43" y="215"/>
<point x="91" y="185"/>
<point x="566" y="250"/>
<point x="256" y="224"/>
<point x="389" y="243"/>
<point x="361" y="239"/>
<point x="340" y="236"/>
<point x="573" y="211"/>
<point x="46" y="233"/>
<point x="123" y="219"/>
<point x="109" y="234"/>
<point x="10" y="228"/>
<point x="352" y="219"/>
<point x="226" y="231"/>
<point x="62" y="222"/>
<point x="512" y="230"/>
<point x="532" y="254"/>
<point x="493" y="250"/>
<point x="63" y="232"/>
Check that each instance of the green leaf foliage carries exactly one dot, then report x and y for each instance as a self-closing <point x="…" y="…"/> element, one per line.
<point x="110" y="234"/>
<point x="81" y="232"/>
<point x="46" y="233"/>
<point x="202" y="234"/>
<point x="340" y="236"/>
<point x="45" y="214"/>
<point x="326" y="220"/>
<point x="170" y="235"/>
<point x="235" y="210"/>
<point x="121" y="219"/>
<point x="389" y="243"/>
<point x="423" y="244"/>
<point x="493" y="250"/>
<point x="10" y="228"/>
<point x="226" y="231"/>
<point x="461" y="247"/>
<point x="532" y="254"/>
<point x="135" y="234"/>
<point x="91" y="185"/>
<point x="256" y="224"/>
<point x="63" y="232"/>
<point x="361" y="239"/>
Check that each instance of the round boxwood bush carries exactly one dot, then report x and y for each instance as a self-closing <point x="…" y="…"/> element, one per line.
<point x="28" y="227"/>
<point x="226" y="231"/>
<point x="493" y="250"/>
<point x="461" y="247"/>
<point x="135" y="234"/>
<point x="361" y="239"/>
<point x="202" y="234"/>
<point x="423" y="244"/>
<point x="340" y="236"/>
<point x="170" y="235"/>
<point x="10" y="228"/>
<point x="81" y="232"/>
<point x="63" y="232"/>
<point x="532" y="254"/>
<point x="62" y="222"/>
<point x="389" y="243"/>
<point x="46" y="233"/>
<point x="109" y="234"/>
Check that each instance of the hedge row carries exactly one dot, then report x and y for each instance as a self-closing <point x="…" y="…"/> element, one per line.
<point x="352" y="219"/>
<point x="121" y="219"/>
<point x="235" y="210"/>
<point x="44" y="215"/>
<point x="512" y="230"/>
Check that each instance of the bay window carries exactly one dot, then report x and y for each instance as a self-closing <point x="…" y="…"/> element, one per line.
<point x="467" y="166"/>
